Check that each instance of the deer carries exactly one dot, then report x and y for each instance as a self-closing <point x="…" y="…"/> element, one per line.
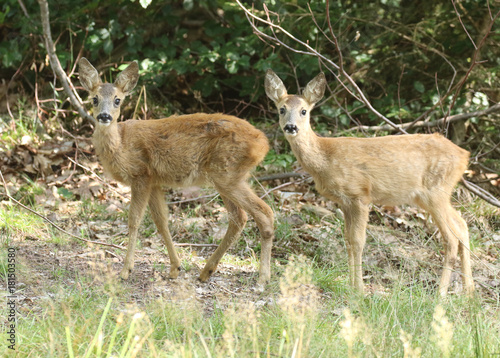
<point x="198" y="149"/>
<point x="420" y="169"/>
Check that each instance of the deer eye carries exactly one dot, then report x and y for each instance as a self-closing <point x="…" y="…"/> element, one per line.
<point x="95" y="101"/>
<point x="282" y="110"/>
<point x="117" y="102"/>
<point x="304" y="112"/>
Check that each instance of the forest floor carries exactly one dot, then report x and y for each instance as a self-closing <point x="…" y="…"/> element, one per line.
<point x="71" y="191"/>
<point x="62" y="181"/>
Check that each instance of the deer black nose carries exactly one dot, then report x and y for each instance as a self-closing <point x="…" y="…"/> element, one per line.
<point x="104" y="117"/>
<point x="291" y="129"/>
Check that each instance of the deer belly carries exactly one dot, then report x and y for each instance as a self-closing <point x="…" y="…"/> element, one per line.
<point x="178" y="179"/>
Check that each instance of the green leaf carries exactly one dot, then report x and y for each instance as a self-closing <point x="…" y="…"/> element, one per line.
<point x="145" y="3"/>
<point x="419" y="86"/>
<point x="3" y="15"/>
<point x="188" y="5"/>
<point x="232" y="67"/>
<point x="65" y="193"/>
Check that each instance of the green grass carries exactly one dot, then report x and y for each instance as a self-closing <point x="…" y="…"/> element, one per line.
<point x="15" y="220"/>
<point x="84" y="320"/>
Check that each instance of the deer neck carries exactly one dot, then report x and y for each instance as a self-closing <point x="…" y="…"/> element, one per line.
<point x="307" y="149"/>
<point x="107" y="142"/>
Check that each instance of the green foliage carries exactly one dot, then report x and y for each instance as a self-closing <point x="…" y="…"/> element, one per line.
<point x="401" y="52"/>
<point x="65" y="193"/>
<point x="281" y="161"/>
<point x="26" y="194"/>
<point x="202" y="55"/>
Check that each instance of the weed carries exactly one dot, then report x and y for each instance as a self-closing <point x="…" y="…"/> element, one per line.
<point x="16" y="221"/>
<point x="443" y="331"/>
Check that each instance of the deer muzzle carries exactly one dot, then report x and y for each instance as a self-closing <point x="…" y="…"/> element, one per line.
<point x="291" y="129"/>
<point x="104" y="118"/>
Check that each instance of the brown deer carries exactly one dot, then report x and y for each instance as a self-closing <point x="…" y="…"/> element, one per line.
<point x="198" y="149"/>
<point x="393" y="170"/>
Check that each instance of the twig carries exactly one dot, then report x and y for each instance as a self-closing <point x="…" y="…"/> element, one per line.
<point x="425" y="47"/>
<point x="98" y="178"/>
<point x="193" y="199"/>
<point x="23" y="7"/>
<point x="463" y="26"/>
<point x="483" y="194"/>
<point x="282" y="186"/>
<point x="488" y="152"/>
<point x="195" y="245"/>
<point x="281" y="176"/>
<point x="52" y="223"/>
<point x="56" y="65"/>
<point x="226" y="289"/>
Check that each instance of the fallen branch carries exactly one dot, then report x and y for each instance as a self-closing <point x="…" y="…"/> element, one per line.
<point x="192" y="199"/>
<point x="281" y="176"/>
<point x="56" y="65"/>
<point x="52" y="223"/>
<point x="282" y="186"/>
<point x="483" y="194"/>
<point x="435" y="123"/>
<point x="195" y="245"/>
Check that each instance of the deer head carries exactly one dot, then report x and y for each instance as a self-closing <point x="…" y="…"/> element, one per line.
<point x="294" y="110"/>
<point x="107" y="97"/>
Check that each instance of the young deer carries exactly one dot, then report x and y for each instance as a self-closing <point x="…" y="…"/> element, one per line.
<point x="354" y="172"/>
<point x="178" y="151"/>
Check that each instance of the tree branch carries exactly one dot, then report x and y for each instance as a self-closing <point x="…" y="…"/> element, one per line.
<point x="475" y="60"/>
<point x="435" y="123"/>
<point x="311" y="51"/>
<point x="56" y="65"/>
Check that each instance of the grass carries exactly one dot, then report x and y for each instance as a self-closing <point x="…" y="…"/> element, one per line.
<point x="15" y="221"/>
<point x="308" y="310"/>
<point x="84" y="320"/>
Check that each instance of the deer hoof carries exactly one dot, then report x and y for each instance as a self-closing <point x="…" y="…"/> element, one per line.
<point x="174" y="272"/>
<point x="124" y="274"/>
<point x="205" y="274"/>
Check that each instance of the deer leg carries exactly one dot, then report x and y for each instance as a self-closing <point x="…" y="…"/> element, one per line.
<point x="455" y="239"/>
<point x="464" y="252"/>
<point x="159" y="213"/>
<point x="237" y="219"/>
<point x="140" y="195"/>
<point x="242" y="195"/>
<point x="441" y="213"/>
<point x="356" y="218"/>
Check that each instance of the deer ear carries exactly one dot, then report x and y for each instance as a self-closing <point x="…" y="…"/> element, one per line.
<point x="89" y="77"/>
<point x="128" y="78"/>
<point x="275" y="89"/>
<point x="315" y="89"/>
